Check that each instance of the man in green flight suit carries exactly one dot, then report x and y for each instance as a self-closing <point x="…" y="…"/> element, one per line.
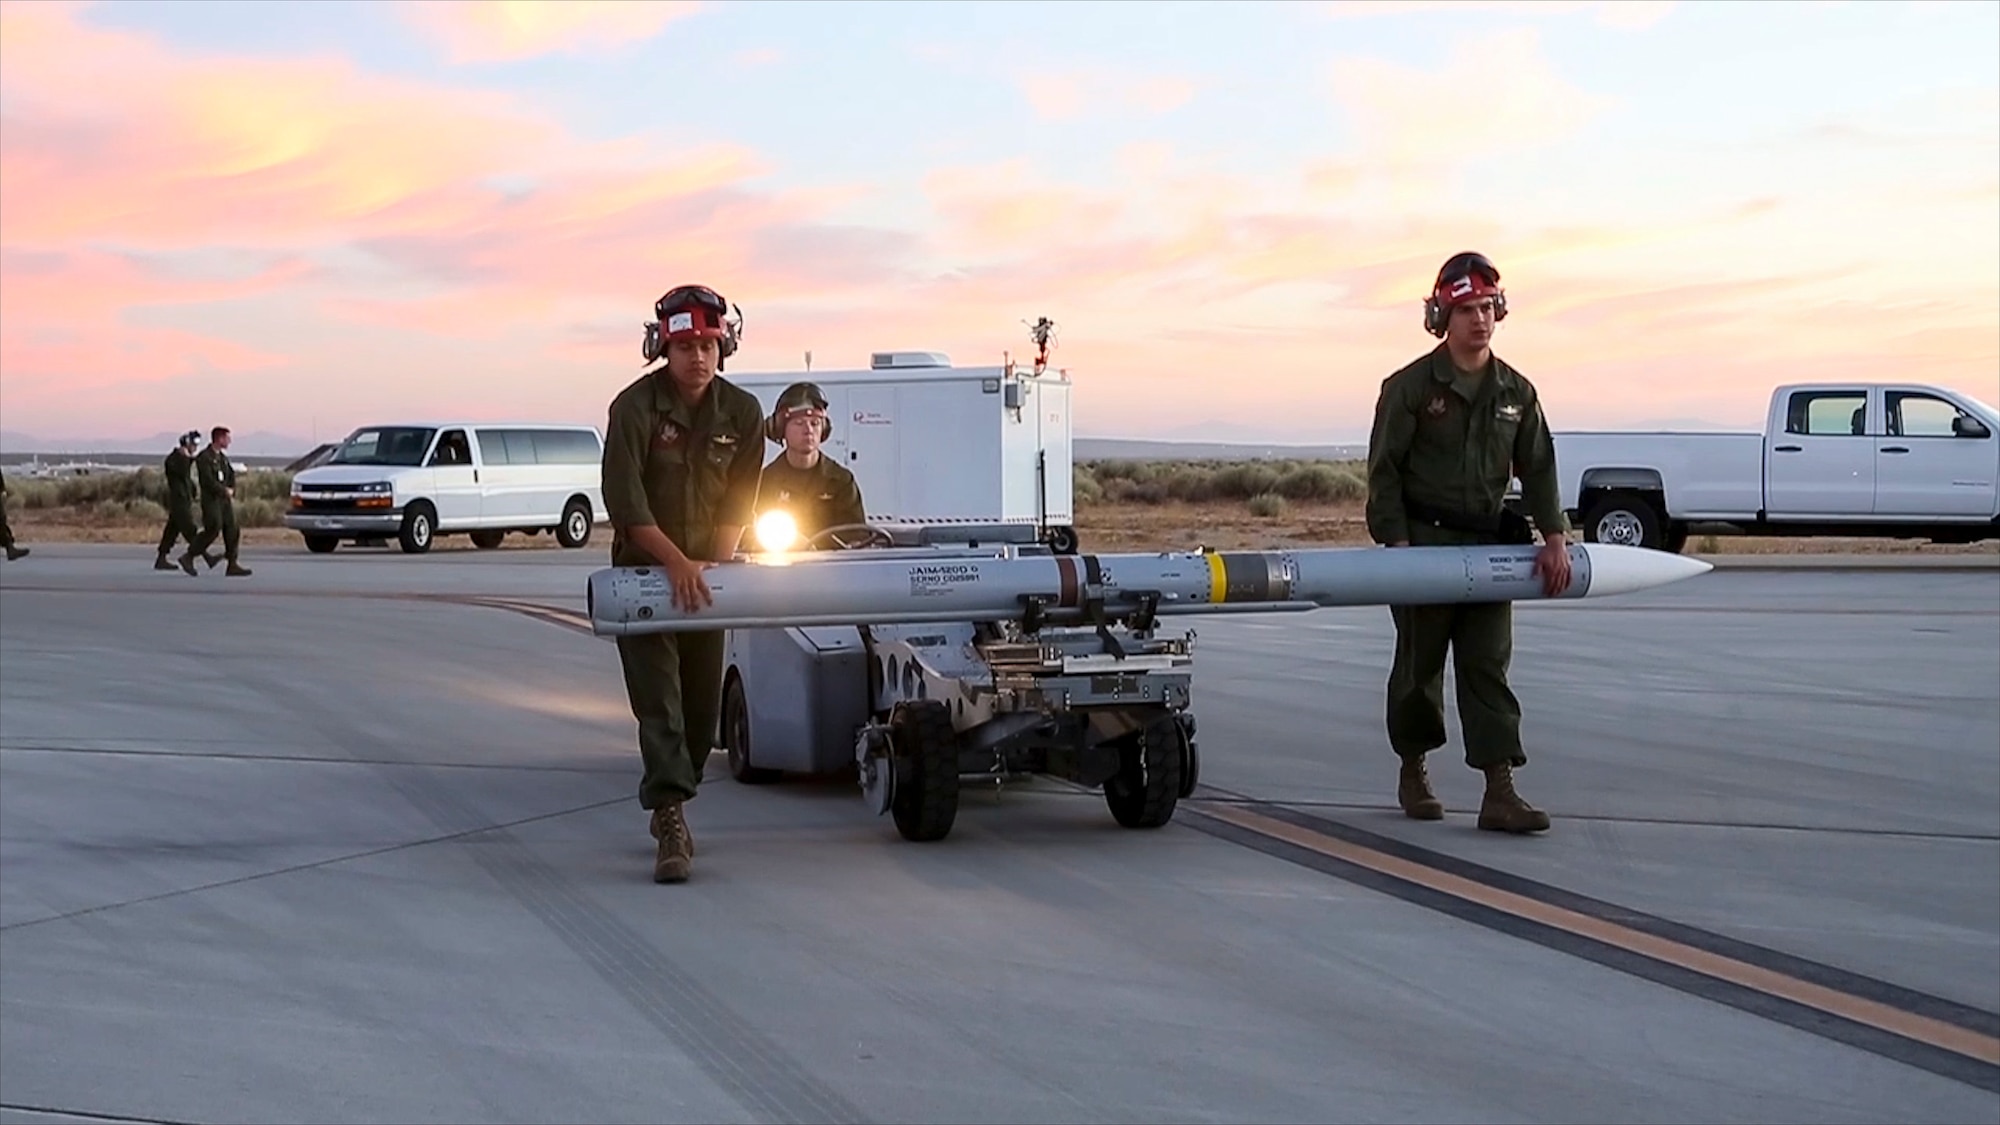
<point x="217" y="474"/>
<point x="14" y="551"/>
<point x="180" y="501"/>
<point x="816" y="491"/>
<point x="1451" y="431"/>
<point x="682" y="456"/>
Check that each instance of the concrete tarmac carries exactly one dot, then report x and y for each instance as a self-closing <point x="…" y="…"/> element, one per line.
<point x="332" y="844"/>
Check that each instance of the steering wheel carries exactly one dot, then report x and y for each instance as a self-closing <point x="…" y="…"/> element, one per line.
<point x="851" y="536"/>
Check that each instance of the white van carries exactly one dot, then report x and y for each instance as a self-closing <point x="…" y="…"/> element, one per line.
<point x="420" y="480"/>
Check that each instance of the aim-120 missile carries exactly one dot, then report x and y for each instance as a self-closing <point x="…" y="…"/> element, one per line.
<point x="867" y="587"/>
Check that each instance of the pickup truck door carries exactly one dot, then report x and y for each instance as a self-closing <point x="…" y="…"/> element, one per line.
<point x="1822" y="457"/>
<point x="1929" y="463"/>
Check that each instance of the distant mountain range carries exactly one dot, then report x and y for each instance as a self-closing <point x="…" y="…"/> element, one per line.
<point x="265" y="445"/>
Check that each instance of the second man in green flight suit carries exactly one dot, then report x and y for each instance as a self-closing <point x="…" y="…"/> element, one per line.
<point x="682" y="453"/>
<point x="1451" y="431"/>
<point x="816" y="491"/>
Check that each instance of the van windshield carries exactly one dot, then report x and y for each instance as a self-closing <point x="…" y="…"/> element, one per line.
<point x="386" y="445"/>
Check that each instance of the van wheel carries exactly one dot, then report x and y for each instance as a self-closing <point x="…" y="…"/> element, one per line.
<point x="574" y="530"/>
<point x="419" y="525"/>
<point x="322" y="544"/>
<point x="488" y="540"/>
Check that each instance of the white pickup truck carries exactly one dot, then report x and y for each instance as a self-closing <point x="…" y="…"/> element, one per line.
<point x="1851" y="459"/>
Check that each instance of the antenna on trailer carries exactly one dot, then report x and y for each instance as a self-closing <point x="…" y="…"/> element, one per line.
<point x="809" y="359"/>
<point x="1041" y="332"/>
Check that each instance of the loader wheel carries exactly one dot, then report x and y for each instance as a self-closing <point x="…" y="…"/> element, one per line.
<point x="923" y="750"/>
<point x="736" y="736"/>
<point x="1143" y="793"/>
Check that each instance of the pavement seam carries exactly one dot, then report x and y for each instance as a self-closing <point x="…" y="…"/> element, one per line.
<point x="295" y="868"/>
<point x="1940" y="1036"/>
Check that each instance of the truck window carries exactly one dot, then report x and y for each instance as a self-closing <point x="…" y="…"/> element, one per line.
<point x="395" y="445"/>
<point x="492" y="446"/>
<point x="1920" y="415"/>
<point x="452" y="449"/>
<point x="1827" y="412"/>
<point x="567" y="447"/>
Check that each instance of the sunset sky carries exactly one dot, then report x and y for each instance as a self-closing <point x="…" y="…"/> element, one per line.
<point x="305" y="217"/>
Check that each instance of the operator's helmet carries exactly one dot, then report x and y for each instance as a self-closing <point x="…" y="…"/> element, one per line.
<point x="689" y="312"/>
<point x="192" y="437"/>
<point x="796" y="399"/>
<point x="1463" y="277"/>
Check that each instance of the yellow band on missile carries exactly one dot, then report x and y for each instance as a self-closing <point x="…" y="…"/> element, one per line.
<point x="1218" y="579"/>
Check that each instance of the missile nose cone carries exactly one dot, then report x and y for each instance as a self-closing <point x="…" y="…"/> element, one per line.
<point x="1616" y="569"/>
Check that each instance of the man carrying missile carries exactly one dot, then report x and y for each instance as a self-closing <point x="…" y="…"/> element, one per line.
<point x="682" y="455"/>
<point x="1451" y="430"/>
<point x="816" y="491"/>
<point x="180" y="501"/>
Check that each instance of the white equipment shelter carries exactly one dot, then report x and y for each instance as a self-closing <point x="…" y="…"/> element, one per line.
<point x="929" y="443"/>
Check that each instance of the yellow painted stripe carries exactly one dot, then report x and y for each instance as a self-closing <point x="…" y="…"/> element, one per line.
<point x="1923" y="1029"/>
<point x="1218" y="579"/>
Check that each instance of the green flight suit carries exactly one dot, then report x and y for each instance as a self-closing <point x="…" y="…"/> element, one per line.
<point x="1442" y="452"/>
<point x="180" y="501"/>
<point x="6" y="532"/>
<point x="823" y="496"/>
<point x="218" y="506"/>
<point x="686" y="470"/>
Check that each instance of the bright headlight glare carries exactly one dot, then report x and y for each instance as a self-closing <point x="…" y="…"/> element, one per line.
<point x="776" y="531"/>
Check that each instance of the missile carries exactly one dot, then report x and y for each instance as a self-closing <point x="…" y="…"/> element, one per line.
<point x="920" y="585"/>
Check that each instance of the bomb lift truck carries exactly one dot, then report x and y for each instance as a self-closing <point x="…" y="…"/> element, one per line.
<point x="921" y="710"/>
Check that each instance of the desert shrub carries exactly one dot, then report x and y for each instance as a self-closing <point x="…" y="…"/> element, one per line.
<point x="1084" y="486"/>
<point x="1322" y="482"/>
<point x="1189" y="484"/>
<point x="1242" y="481"/>
<point x="259" y="512"/>
<point x="1267" y="505"/>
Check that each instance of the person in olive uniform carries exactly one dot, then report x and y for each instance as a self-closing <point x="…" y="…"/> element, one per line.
<point x="682" y="457"/>
<point x="815" y="490"/>
<point x="14" y="551"/>
<point x="180" y="500"/>
<point x="217" y="475"/>
<point x="1450" y="432"/>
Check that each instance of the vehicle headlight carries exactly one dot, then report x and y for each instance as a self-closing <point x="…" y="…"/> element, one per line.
<point x="777" y="530"/>
<point x="378" y="486"/>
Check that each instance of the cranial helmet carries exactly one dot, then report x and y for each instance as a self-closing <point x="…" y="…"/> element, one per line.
<point x="192" y="437"/>
<point x="692" y="312"/>
<point x="1463" y="277"/>
<point x="797" y="397"/>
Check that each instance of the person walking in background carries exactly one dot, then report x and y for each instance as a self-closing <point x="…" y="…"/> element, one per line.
<point x="180" y="501"/>
<point x="6" y="531"/>
<point x="218" y="506"/>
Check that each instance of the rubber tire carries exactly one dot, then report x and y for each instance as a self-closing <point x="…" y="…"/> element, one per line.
<point x="736" y="736"/>
<point x="923" y="750"/>
<point x="1063" y="540"/>
<point x="577" y="511"/>
<point x="488" y="540"/>
<point x="419" y="528"/>
<point x="1145" y="791"/>
<point x="1642" y="510"/>
<point x="322" y="544"/>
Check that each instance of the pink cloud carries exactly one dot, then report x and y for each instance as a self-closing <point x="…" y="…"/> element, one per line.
<point x="484" y="31"/>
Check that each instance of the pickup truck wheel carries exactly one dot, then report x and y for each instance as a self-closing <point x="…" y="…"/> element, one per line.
<point x="1625" y="519"/>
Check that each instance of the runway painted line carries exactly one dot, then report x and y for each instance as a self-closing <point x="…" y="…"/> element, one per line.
<point x="1937" y="1035"/>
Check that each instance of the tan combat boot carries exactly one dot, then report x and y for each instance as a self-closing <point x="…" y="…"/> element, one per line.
<point x="1503" y="810"/>
<point x="687" y="837"/>
<point x="1414" y="792"/>
<point x="673" y="861"/>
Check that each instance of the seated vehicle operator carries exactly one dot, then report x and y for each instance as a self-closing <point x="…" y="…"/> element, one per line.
<point x="802" y="482"/>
